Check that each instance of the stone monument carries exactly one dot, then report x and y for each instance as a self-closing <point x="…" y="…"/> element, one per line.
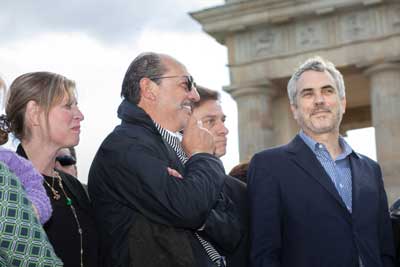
<point x="267" y="39"/>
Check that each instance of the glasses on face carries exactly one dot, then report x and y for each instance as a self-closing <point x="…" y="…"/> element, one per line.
<point x="66" y="160"/>
<point x="189" y="81"/>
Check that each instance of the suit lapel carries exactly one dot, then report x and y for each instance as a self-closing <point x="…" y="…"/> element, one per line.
<point x="303" y="157"/>
<point x="360" y="181"/>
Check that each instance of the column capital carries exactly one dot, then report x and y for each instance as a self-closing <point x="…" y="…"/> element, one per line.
<point x="383" y="66"/>
<point x="264" y="87"/>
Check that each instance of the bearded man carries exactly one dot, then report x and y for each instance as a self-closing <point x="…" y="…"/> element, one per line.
<point x="315" y="201"/>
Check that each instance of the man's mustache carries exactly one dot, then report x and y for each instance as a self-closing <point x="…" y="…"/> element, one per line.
<point x="187" y="103"/>
<point x="320" y="109"/>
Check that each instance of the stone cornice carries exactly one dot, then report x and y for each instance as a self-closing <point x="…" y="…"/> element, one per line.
<point x="229" y="18"/>
<point x="380" y="67"/>
<point x="252" y="88"/>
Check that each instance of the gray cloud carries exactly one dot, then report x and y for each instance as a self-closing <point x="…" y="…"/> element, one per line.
<point x="109" y="21"/>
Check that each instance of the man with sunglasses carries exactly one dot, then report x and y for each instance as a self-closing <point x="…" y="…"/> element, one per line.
<point x="153" y="190"/>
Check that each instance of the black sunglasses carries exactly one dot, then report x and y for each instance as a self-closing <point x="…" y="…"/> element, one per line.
<point x="190" y="84"/>
<point x="66" y="160"/>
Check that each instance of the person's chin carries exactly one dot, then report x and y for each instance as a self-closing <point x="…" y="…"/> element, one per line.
<point x="321" y="123"/>
<point x="73" y="142"/>
<point x="220" y="152"/>
<point x="322" y="128"/>
<point x="184" y="119"/>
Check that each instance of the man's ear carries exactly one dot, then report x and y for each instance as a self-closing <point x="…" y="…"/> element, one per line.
<point x="148" y="89"/>
<point x="293" y="108"/>
<point x="32" y="113"/>
<point x="343" y="102"/>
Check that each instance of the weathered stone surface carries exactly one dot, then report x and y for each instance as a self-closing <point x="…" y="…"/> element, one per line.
<point x="256" y="110"/>
<point x="385" y="96"/>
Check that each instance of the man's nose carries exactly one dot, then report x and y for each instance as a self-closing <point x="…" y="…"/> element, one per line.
<point x="222" y="130"/>
<point x="319" y="99"/>
<point x="194" y="94"/>
<point x="225" y="130"/>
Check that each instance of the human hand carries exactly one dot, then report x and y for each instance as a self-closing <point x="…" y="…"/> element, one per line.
<point x="174" y="173"/>
<point x="196" y="138"/>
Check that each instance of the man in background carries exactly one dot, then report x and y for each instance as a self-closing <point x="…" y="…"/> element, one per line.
<point x="209" y="111"/>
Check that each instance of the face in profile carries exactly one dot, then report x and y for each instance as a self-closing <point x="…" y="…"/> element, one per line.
<point x="175" y="95"/>
<point x="63" y="123"/>
<point x="213" y="118"/>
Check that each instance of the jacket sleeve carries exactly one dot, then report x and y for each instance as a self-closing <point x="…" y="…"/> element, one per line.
<point x="140" y="180"/>
<point x="223" y="225"/>
<point x="385" y="227"/>
<point x="265" y="215"/>
<point x="227" y="224"/>
<point x="32" y="182"/>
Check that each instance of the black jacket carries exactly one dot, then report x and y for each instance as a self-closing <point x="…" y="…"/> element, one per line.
<point x="236" y="251"/>
<point x="395" y="217"/>
<point x="135" y="198"/>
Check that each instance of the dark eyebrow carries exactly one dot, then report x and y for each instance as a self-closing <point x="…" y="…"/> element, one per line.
<point x="223" y="117"/>
<point x="210" y="117"/>
<point x="328" y="86"/>
<point x="306" y="89"/>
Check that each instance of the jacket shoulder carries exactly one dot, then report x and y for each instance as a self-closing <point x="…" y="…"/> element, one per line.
<point x="278" y="151"/>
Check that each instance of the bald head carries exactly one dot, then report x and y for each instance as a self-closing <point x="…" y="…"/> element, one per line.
<point x="147" y="64"/>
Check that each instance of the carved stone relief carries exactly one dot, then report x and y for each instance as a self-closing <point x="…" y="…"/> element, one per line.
<point x="269" y="41"/>
<point x="316" y="33"/>
<point x="311" y="34"/>
<point x="243" y="47"/>
<point x="394" y="17"/>
<point x="357" y="26"/>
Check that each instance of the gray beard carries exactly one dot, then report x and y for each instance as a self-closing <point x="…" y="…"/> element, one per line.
<point x="329" y="129"/>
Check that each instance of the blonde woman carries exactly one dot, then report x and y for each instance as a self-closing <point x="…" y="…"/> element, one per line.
<point x="43" y="114"/>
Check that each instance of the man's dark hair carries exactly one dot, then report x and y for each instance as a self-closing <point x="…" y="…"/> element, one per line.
<point x="144" y="65"/>
<point x="240" y="171"/>
<point x="205" y="95"/>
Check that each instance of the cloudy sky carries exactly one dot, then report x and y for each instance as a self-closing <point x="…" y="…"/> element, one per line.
<point x="94" y="41"/>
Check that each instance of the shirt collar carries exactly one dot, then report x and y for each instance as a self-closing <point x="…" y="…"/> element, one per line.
<point x="164" y="131"/>
<point x="315" y="146"/>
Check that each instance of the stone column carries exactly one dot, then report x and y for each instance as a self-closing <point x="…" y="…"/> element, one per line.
<point x="385" y="101"/>
<point x="255" y="123"/>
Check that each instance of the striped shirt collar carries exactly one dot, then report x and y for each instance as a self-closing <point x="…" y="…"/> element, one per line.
<point x="315" y="146"/>
<point x="164" y="132"/>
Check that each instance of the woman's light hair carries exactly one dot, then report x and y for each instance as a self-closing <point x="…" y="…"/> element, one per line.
<point x="45" y="88"/>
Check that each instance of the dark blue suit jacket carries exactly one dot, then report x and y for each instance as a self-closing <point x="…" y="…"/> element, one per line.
<point x="298" y="218"/>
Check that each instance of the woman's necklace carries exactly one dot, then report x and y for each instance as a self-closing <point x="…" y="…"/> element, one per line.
<point x="56" y="196"/>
